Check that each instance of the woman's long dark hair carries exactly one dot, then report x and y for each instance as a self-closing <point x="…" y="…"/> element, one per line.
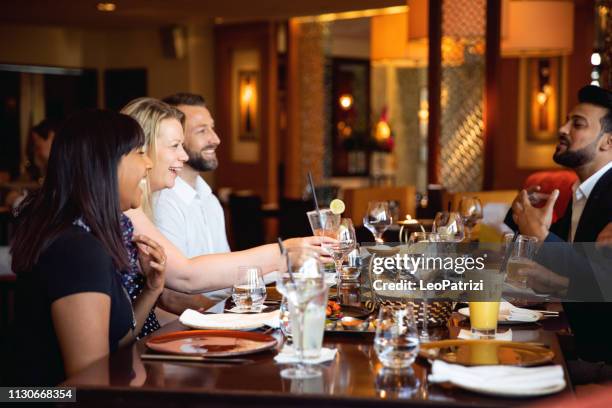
<point x="81" y="182"/>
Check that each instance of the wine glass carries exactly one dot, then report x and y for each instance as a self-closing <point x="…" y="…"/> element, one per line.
<point x="419" y="244"/>
<point x="377" y="219"/>
<point x="344" y="233"/>
<point x="470" y="210"/>
<point x="249" y="293"/>
<point x="301" y="280"/>
<point x="449" y="226"/>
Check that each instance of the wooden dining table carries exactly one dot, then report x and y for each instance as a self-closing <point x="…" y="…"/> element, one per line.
<point x="355" y="378"/>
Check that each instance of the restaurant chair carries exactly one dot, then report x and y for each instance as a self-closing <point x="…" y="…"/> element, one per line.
<point x="246" y="220"/>
<point x="556" y="179"/>
<point x="292" y="219"/>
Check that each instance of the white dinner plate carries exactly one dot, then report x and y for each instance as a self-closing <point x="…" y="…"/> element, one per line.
<point x="509" y="392"/>
<point x="504" y="317"/>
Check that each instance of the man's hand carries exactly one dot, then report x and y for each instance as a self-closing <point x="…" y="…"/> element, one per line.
<point x="533" y="221"/>
<point x="543" y="280"/>
<point x="152" y="258"/>
<point x="605" y="236"/>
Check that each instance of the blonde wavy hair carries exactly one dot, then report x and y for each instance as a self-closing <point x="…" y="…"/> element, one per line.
<point x="149" y="113"/>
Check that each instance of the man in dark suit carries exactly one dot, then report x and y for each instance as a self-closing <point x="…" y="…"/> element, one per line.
<point x="585" y="145"/>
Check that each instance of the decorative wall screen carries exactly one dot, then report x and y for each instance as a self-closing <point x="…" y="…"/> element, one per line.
<point x="462" y="94"/>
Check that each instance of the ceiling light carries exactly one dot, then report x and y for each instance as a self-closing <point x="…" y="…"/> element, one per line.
<point x="106" y="6"/>
<point x="595" y="59"/>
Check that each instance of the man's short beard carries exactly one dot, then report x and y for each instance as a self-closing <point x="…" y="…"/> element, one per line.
<point x="197" y="162"/>
<point x="576" y="158"/>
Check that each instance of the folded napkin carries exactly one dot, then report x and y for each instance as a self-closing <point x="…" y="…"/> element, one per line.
<point x="511" y="313"/>
<point x="467" y="334"/>
<point x="500" y="379"/>
<point x="229" y="321"/>
<point x="288" y="356"/>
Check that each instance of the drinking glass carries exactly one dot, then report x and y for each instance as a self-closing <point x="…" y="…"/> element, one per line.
<point x="519" y="253"/>
<point x="396" y="342"/>
<point x="249" y="293"/>
<point x="346" y="242"/>
<point x="377" y="219"/>
<point x="301" y="281"/>
<point x="322" y="220"/>
<point x="470" y="210"/>
<point x="483" y="319"/>
<point x="419" y="241"/>
<point x="449" y="226"/>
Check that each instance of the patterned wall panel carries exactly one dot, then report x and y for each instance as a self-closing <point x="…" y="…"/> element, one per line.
<point x="411" y="169"/>
<point x="312" y="43"/>
<point x="462" y="95"/>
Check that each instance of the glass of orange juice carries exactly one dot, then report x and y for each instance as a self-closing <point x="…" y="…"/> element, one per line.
<point x="483" y="318"/>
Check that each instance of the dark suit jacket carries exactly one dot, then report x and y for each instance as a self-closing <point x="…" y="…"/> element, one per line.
<point x="589" y="321"/>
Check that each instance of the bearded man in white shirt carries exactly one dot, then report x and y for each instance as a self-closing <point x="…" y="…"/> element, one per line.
<point x="189" y="214"/>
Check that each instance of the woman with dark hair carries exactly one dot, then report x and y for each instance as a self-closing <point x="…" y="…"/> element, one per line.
<point x="71" y="306"/>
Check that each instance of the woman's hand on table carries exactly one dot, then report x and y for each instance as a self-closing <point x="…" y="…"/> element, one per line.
<point x="152" y="259"/>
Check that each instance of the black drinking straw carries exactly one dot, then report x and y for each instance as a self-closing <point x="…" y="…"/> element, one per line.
<point x="283" y="251"/>
<point x="312" y="188"/>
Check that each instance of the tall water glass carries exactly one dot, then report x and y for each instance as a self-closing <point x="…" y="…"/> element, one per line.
<point x="396" y="342"/>
<point x="420" y="244"/>
<point x="321" y="220"/>
<point x="520" y="253"/>
<point x="301" y="281"/>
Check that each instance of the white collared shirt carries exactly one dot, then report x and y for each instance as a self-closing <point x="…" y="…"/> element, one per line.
<point x="193" y="220"/>
<point x="581" y="193"/>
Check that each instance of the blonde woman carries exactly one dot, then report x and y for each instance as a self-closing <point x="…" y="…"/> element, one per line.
<point x="163" y="130"/>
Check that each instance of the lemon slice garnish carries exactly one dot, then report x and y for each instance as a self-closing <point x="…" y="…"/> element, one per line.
<point x="337" y="206"/>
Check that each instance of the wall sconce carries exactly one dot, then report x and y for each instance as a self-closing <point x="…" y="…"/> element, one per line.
<point x="346" y="101"/>
<point x="383" y="131"/>
<point x="248" y="104"/>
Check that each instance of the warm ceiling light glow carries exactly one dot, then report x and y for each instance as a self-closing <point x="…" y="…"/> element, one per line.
<point x="106" y="6"/>
<point x="352" y="14"/>
<point x="595" y="59"/>
<point x="345" y="101"/>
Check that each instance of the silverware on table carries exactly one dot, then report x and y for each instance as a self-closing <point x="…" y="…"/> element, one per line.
<point x="191" y="359"/>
